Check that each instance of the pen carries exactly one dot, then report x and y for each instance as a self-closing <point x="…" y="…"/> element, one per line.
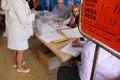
<point x="75" y="40"/>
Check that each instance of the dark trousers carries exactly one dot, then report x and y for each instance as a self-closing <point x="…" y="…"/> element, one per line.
<point x="68" y="73"/>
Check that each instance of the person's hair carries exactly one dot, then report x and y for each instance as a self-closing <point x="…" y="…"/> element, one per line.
<point x="72" y="8"/>
<point x="58" y="0"/>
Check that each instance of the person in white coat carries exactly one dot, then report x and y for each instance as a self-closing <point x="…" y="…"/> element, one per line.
<point x="19" y="30"/>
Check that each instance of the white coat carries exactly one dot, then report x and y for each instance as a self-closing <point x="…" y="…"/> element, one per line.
<point x="19" y="21"/>
<point x="108" y="66"/>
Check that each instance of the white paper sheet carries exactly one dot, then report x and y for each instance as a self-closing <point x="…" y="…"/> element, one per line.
<point x="72" y="33"/>
<point x="62" y="27"/>
<point x="74" y="51"/>
<point x="51" y="36"/>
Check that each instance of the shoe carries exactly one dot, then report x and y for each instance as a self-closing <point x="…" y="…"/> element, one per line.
<point x="15" y="66"/>
<point x="23" y="70"/>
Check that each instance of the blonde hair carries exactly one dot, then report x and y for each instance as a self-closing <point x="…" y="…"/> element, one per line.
<point x="72" y="8"/>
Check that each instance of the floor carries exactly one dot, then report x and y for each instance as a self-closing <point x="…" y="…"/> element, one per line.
<point x="38" y="72"/>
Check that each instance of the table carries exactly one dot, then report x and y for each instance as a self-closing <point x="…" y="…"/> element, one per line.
<point x="56" y="48"/>
<point x="46" y="16"/>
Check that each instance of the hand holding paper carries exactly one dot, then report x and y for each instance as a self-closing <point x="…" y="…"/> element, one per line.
<point x="74" y="51"/>
<point x="76" y="43"/>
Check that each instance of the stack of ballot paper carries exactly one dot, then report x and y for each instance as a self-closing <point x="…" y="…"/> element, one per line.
<point x="48" y="34"/>
<point x="74" y="51"/>
<point x="51" y="36"/>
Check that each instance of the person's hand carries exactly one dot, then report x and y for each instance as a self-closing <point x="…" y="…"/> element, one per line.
<point x="28" y="0"/>
<point x="76" y="43"/>
<point x="75" y="63"/>
<point x="35" y="12"/>
<point x="60" y="23"/>
<point x="55" y="18"/>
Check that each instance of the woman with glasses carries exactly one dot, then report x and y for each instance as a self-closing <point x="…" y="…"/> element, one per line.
<point x="73" y="20"/>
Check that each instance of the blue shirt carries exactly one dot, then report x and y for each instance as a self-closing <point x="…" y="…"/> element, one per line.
<point x="64" y="13"/>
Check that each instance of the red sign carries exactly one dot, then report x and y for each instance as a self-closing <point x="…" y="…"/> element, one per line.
<point x="101" y="20"/>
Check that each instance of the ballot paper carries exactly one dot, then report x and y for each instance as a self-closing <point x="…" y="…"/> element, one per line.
<point x="72" y="33"/>
<point x="74" y="51"/>
<point x="55" y="25"/>
<point x="48" y="33"/>
<point x="51" y="36"/>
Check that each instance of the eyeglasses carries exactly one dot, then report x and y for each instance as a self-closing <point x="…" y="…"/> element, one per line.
<point x="76" y="11"/>
<point x="60" y="3"/>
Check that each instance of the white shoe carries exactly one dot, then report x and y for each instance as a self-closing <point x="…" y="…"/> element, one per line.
<point x="15" y="66"/>
<point x="23" y="70"/>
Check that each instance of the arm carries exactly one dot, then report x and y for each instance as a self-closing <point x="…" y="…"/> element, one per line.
<point x="54" y="9"/>
<point x="78" y="43"/>
<point x="64" y="22"/>
<point x="67" y="21"/>
<point x="5" y="4"/>
<point x="23" y="13"/>
<point x="67" y="12"/>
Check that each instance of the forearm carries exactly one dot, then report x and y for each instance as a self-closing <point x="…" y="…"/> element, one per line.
<point x="66" y="21"/>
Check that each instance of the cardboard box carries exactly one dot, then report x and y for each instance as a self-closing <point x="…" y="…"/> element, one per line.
<point x="48" y="59"/>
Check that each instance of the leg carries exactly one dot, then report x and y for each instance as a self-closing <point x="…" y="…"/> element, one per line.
<point x="19" y="59"/>
<point x="68" y="73"/>
<point x="19" y="64"/>
<point x="15" y="56"/>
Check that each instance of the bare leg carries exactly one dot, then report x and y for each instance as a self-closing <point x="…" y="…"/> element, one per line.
<point x="19" y="59"/>
<point x="19" y="64"/>
<point x="15" y="56"/>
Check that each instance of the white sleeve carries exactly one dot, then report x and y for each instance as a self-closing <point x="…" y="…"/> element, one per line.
<point x="25" y="17"/>
<point x="5" y="4"/>
<point x="82" y="43"/>
<point x="67" y="21"/>
<point x="86" y="60"/>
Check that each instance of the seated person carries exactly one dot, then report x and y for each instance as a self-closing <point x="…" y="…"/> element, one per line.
<point x="107" y="68"/>
<point x="73" y="20"/>
<point x="61" y="11"/>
